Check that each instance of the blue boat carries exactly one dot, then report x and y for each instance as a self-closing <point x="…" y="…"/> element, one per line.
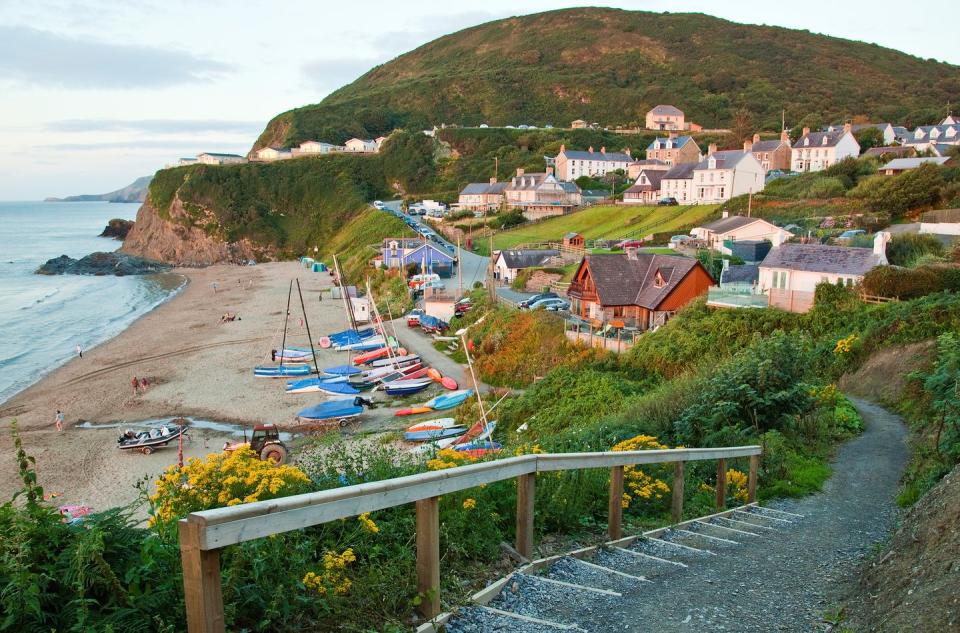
<point x="408" y="386"/>
<point x="350" y="336"/>
<point x="342" y="370"/>
<point x="449" y="400"/>
<point x="333" y="411"/>
<point x="282" y="371"/>
<point x="335" y="386"/>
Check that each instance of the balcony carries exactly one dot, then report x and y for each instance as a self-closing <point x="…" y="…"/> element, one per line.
<point x="720" y="298"/>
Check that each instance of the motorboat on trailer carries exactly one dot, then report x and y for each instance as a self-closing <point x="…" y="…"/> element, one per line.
<point x="150" y="440"/>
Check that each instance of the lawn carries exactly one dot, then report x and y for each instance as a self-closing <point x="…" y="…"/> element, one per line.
<point x="606" y="222"/>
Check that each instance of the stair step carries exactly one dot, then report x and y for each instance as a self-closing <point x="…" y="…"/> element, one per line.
<point x="768" y="520"/>
<point x="670" y="550"/>
<point x="556" y="601"/>
<point x="723" y="531"/>
<point x="476" y="619"/>
<point x="636" y="563"/>
<point x="593" y="573"/>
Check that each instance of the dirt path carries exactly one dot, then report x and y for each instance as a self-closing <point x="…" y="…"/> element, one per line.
<point x="788" y="582"/>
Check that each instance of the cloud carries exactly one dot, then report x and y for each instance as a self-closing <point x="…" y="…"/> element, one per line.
<point x="158" y="126"/>
<point x="44" y="58"/>
<point x="191" y="146"/>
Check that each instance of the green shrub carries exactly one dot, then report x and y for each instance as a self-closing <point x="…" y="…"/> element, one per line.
<point x="906" y="249"/>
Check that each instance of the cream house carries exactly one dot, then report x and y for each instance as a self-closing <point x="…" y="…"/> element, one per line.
<point x="665" y="117"/>
<point x="723" y="175"/>
<point x="738" y="228"/>
<point x="678" y="183"/>
<point x="579" y="124"/>
<point x="790" y="272"/>
<point x="213" y="158"/>
<point x="571" y="164"/>
<point x="541" y="195"/>
<point x="273" y="153"/>
<point x="360" y="145"/>
<point x="318" y="147"/>
<point x="815" y="151"/>
<point x="674" y="150"/>
<point x="482" y="196"/>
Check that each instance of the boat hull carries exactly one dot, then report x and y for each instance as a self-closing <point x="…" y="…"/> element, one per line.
<point x="284" y="371"/>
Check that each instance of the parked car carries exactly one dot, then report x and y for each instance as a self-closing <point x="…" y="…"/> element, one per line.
<point x="680" y="239"/>
<point x="413" y="318"/>
<point x="547" y="303"/>
<point x="462" y="307"/>
<point x="667" y="202"/>
<point x="526" y="303"/>
<point x="630" y="243"/>
<point x="849" y="235"/>
<point x="561" y="306"/>
<point x="378" y="204"/>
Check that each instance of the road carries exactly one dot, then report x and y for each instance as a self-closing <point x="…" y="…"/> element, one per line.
<point x="473" y="268"/>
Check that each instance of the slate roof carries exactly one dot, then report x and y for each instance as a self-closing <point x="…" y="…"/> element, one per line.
<point x="404" y="243"/>
<point x="729" y="224"/>
<point x="727" y="159"/>
<point x="820" y="258"/>
<point x="601" y="156"/>
<point x="661" y="142"/>
<point x="484" y="188"/>
<point x="890" y="149"/>
<point x="569" y="187"/>
<point x="816" y="139"/>
<point x="571" y="234"/>
<point x="648" y="161"/>
<point x="682" y="171"/>
<point x="667" y="110"/>
<point x="220" y="155"/>
<point x="913" y="163"/>
<point x="620" y="280"/>
<point x="654" y="176"/>
<point x="742" y="273"/>
<point x="767" y="146"/>
<point x="528" y="258"/>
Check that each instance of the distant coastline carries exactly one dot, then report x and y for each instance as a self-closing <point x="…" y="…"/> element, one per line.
<point x="134" y="192"/>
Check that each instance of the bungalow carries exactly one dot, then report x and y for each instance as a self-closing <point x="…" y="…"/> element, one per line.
<point x="678" y="183"/>
<point x="213" y="158"/>
<point x="482" y="196"/>
<point x="400" y="252"/>
<point x="186" y="161"/>
<point x="649" y="164"/>
<point x="723" y="175"/>
<point x="273" y="153"/>
<point x="509" y="263"/>
<point x="900" y="165"/>
<point x="739" y="277"/>
<point x="665" y="117"/>
<point x="815" y="151"/>
<point x="771" y="155"/>
<point x="571" y="164"/>
<point x="674" y="150"/>
<point x="360" y="145"/>
<point x="317" y="147"/>
<point x="541" y="195"/>
<point x="719" y="235"/>
<point x="632" y="289"/>
<point x="791" y="272"/>
<point x="646" y="190"/>
<point x="579" y="124"/>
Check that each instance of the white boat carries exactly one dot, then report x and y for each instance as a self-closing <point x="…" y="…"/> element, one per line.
<point x="451" y="442"/>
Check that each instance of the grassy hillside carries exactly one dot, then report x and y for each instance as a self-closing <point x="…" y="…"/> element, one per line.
<point x="611" y="66"/>
<point x="605" y="222"/>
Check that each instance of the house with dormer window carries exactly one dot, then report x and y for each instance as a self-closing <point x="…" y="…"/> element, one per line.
<point x="674" y="150"/>
<point x="815" y="151"/>
<point x="723" y="175"/>
<point x="633" y="289"/>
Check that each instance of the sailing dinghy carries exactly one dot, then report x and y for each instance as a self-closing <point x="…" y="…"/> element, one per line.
<point x="434" y="430"/>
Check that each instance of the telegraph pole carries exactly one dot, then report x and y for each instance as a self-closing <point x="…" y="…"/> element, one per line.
<point x="459" y="269"/>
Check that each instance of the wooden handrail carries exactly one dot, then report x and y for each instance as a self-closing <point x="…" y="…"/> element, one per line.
<point x="204" y="534"/>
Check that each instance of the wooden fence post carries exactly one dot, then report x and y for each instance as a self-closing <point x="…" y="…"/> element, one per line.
<point x="615" y="515"/>
<point x="428" y="555"/>
<point x="721" y="483"/>
<point x="201" y="582"/>
<point x="526" y="485"/>
<point x="752" y="479"/>
<point x="676" y="510"/>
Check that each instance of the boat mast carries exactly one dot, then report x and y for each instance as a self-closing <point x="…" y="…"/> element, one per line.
<point x="286" y="316"/>
<point x="306" y="321"/>
<point x="379" y="321"/>
<point x="344" y="294"/>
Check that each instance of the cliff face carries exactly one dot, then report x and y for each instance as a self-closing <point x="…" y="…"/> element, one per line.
<point x="178" y="241"/>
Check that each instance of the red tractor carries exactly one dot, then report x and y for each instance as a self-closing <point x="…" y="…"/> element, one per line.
<point x="265" y="442"/>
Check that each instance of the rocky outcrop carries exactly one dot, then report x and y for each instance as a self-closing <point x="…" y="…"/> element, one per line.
<point x="181" y="241"/>
<point x="117" y="228"/>
<point x="118" y="264"/>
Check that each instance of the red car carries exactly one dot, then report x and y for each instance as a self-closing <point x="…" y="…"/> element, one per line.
<point x="630" y="243"/>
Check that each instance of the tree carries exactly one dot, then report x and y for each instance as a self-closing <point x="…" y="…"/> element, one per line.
<point x="742" y="125"/>
<point x="869" y="137"/>
<point x="898" y="194"/>
<point x="716" y="107"/>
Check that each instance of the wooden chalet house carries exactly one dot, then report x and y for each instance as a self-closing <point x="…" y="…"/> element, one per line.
<point x="639" y="290"/>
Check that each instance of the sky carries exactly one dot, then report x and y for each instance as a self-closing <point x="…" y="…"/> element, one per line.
<point x="94" y="94"/>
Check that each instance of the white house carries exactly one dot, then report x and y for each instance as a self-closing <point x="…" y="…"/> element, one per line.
<point x="361" y="146"/>
<point x="790" y="272"/>
<point x="318" y="147"/>
<point x="213" y="158"/>
<point x="571" y="164"/>
<point x="379" y="141"/>
<point x="886" y="129"/>
<point x="678" y="183"/>
<point x="739" y="228"/>
<point x="273" y="153"/>
<point x="815" y="151"/>
<point x="510" y="262"/>
<point x="723" y="175"/>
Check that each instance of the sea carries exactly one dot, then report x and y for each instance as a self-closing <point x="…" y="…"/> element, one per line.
<point x="43" y="318"/>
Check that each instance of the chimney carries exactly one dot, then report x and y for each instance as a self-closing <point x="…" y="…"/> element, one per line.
<point x="847" y="126"/>
<point x="631" y="252"/>
<point x="627" y="152"/>
<point x="747" y="145"/>
<point x="672" y="134"/>
<point x="590" y="149"/>
<point x="880" y="246"/>
<point x="756" y="138"/>
<point x="725" y="215"/>
<point x="806" y="131"/>
<point x="493" y="180"/>
<point x="563" y="148"/>
<point x="784" y="137"/>
<point x="519" y="171"/>
<point x="603" y="150"/>
<point x="550" y="170"/>
<point x="711" y="148"/>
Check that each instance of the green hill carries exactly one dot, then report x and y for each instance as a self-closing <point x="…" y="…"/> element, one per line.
<point x="611" y="66"/>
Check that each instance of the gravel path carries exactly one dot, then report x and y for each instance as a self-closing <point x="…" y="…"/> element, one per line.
<point x="782" y="576"/>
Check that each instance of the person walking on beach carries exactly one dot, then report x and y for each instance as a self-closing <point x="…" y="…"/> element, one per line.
<point x="214" y="284"/>
<point x="135" y="384"/>
<point x="79" y="350"/>
<point x="59" y="420"/>
<point x="144" y="383"/>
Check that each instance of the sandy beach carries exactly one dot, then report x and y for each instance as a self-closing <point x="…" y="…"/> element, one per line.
<point x="196" y="367"/>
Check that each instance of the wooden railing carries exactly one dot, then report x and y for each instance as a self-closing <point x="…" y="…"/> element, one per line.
<point x="204" y="534"/>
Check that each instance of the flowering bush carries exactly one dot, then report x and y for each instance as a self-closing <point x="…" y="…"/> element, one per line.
<point x="449" y="458"/>
<point x="222" y="479"/>
<point x="845" y="345"/>
<point x="638" y="483"/>
<point x="333" y="579"/>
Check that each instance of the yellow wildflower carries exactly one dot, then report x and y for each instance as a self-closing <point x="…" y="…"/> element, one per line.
<point x="469" y="504"/>
<point x="367" y="523"/>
